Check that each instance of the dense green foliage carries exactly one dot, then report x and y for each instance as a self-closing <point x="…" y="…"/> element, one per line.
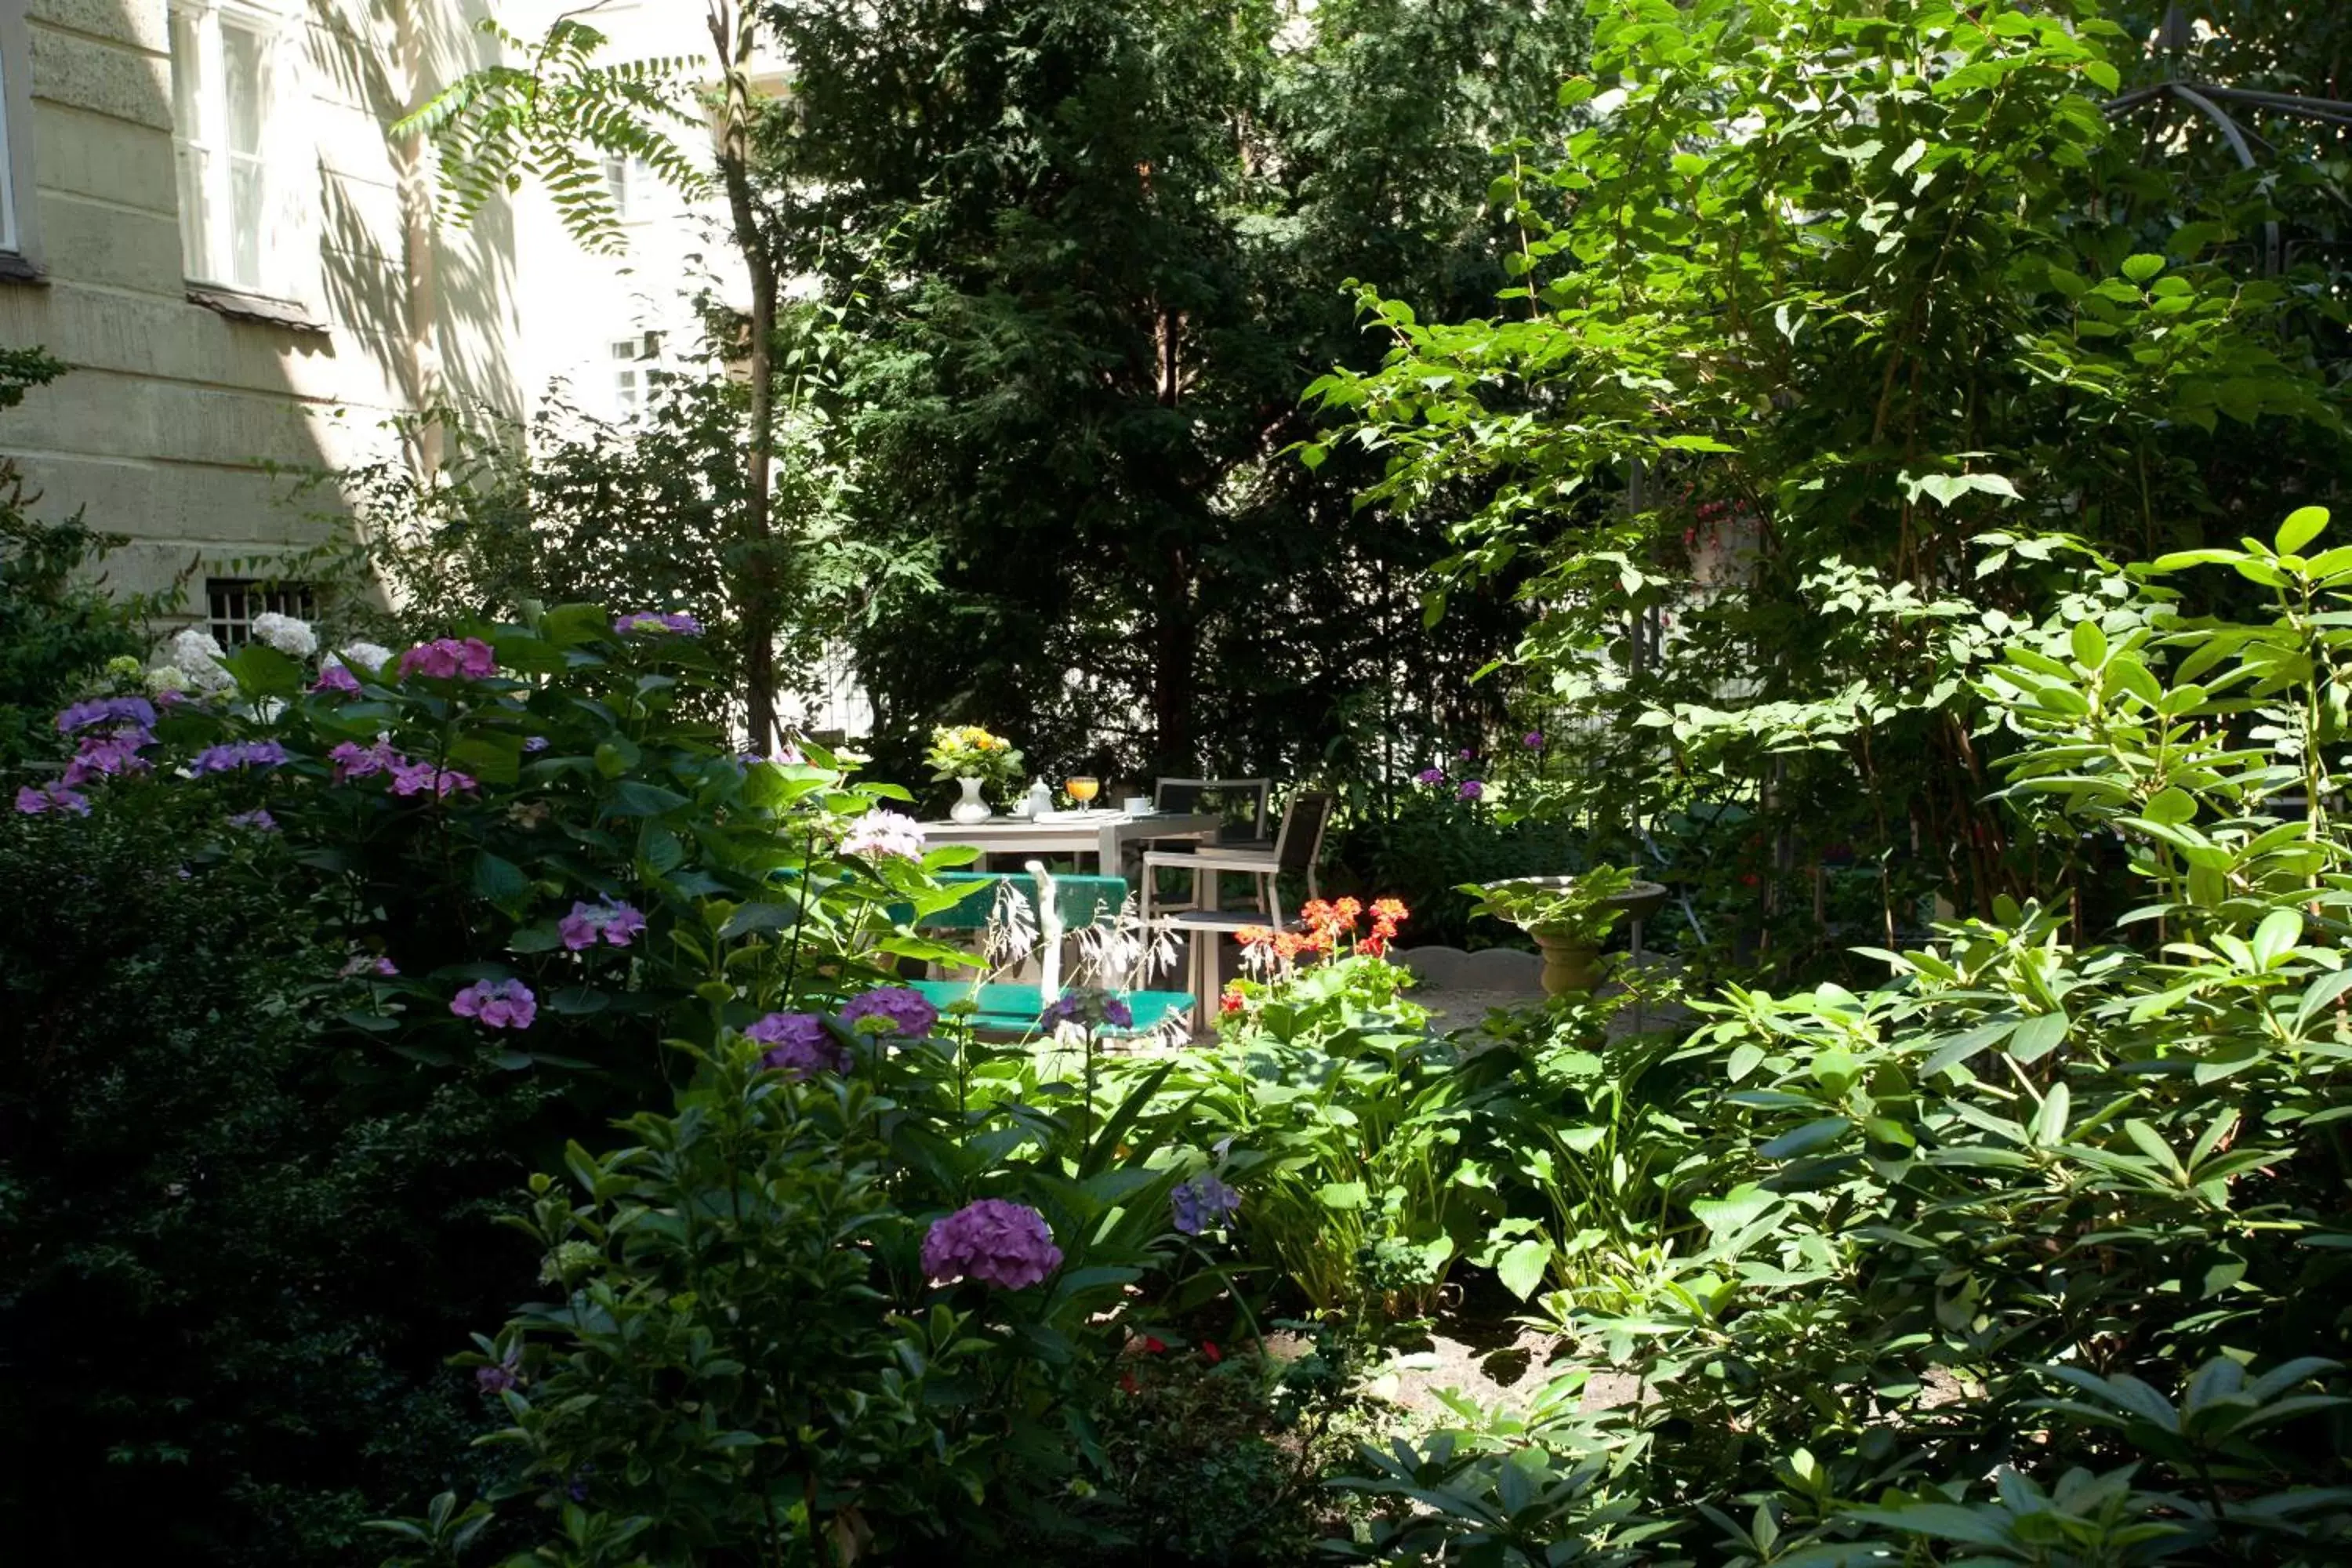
<point x="56" y="625"/>
<point x="256" y="1148"/>
<point x="1092" y="251"/>
<point x="1824" y="322"/>
<point x="236" y="1258"/>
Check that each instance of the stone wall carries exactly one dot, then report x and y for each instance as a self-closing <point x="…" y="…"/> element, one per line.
<point x="179" y="415"/>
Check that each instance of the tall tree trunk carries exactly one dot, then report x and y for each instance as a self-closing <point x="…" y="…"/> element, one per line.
<point x="1175" y="633"/>
<point x="734" y="32"/>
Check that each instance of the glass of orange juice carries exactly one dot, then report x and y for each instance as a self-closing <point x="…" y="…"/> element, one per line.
<point x="1083" y="790"/>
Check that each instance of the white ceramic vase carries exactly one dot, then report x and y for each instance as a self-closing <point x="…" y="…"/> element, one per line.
<point x="971" y="808"/>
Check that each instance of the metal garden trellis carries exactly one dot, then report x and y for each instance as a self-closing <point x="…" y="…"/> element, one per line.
<point x="2172" y="37"/>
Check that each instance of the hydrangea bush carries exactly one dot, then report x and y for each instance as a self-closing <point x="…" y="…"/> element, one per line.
<point x="555" y="867"/>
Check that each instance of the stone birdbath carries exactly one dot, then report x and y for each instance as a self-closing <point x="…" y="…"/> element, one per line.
<point x="1569" y="930"/>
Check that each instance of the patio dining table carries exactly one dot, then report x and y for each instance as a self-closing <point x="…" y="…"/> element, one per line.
<point x="1106" y="834"/>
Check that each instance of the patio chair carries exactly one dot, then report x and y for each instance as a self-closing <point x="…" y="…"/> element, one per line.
<point x="1247" y="804"/>
<point x="1296" y="850"/>
<point x="1060" y="905"/>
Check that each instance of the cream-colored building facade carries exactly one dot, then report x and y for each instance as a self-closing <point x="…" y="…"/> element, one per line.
<point x="204" y="216"/>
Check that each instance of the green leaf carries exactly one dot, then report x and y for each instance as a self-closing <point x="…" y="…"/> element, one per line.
<point x="635" y="797"/>
<point x="2301" y="526"/>
<point x="2141" y="267"/>
<point x="753" y="918"/>
<point x="1521" y="1269"/>
<point x="1804" y="1140"/>
<point x="1343" y="1195"/>
<point x="499" y="879"/>
<point x="2039" y="1035"/>
<point x="1741" y="1206"/>
<point x="2275" y="937"/>
<point x="1946" y="489"/>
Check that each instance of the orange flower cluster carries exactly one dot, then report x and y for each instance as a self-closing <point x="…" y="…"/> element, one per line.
<point x="1328" y="922"/>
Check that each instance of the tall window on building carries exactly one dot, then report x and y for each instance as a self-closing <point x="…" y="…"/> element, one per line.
<point x="621" y="178"/>
<point x="634" y="362"/>
<point x="225" y="81"/>
<point x="9" y="239"/>
<point x="234" y="601"/>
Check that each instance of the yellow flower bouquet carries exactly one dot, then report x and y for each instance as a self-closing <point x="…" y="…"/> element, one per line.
<point x="969" y="751"/>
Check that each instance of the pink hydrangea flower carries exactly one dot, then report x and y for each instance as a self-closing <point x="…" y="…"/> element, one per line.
<point x="616" y="923"/>
<point x="418" y="778"/>
<point x="353" y="760"/>
<point x="449" y="659"/>
<point x="497" y="1004"/>
<point x="880" y="832"/>
<point x="1003" y="1244"/>
<point x="336" y="677"/>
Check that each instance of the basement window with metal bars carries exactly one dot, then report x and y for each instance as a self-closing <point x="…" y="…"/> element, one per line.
<point x="232" y="602"/>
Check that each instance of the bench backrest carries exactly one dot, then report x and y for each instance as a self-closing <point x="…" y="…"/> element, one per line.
<point x="1061" y="904"/>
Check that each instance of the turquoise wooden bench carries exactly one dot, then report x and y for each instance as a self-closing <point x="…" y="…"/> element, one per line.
<point x="1059" y="905"/>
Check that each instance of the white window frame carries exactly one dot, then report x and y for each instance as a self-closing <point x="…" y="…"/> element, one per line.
<point x="627" y="181"/>
<point x="644" y="357"/>
<point x="16" y="134"/>
<point x="277" y="246"/>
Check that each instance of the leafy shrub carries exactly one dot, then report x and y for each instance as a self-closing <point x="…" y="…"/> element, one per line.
<point x="439" y="914"/>
<point x="2034" y="1253"/>
<point x="236" y="1257"/>
<point x="56" y="626"/>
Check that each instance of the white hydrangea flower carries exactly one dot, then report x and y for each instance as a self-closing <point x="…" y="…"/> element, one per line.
<point x="288" y="635"/>
<point x="366" y="657"/>
<point x="166" y="678"/>
<point x="194" y="654"/>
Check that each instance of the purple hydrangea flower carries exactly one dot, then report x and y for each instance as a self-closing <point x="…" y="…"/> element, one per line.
<point x="33" y="802"/>
<point x="106" y="755"/>
<point x="497" y="1004"/>
<point x="237" y="755"/>
<point x="1003" y="1244"/>
<point x="448" y="658"/>
<point x="1532" y="740"/>
<point x="1092" y="1008"/>
<point x="259" y="820"/>
<point x="801" y="1044"/>
<point x="905" y="1010"/>
<point x="361" y="963"/>
<point x="880" y="832"/>
<point x="501" y="1374"/>
<point x="1202" y="1203"/>
<point x="535" y="743"/>
<point x="353" y="760"/>
<point x="335" y="676"/>
<point x="418" y="778"/>
<point x="677" y="621"/>
<point x="1464" y="755"/>
<point x="1430" y="776"/>
<point x="616" y="923"/>
<point x="1471" y="789"/>
<point x="125" y="712"/>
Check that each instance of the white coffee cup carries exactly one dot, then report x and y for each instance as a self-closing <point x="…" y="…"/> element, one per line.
<point x="1137" y="806"/>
